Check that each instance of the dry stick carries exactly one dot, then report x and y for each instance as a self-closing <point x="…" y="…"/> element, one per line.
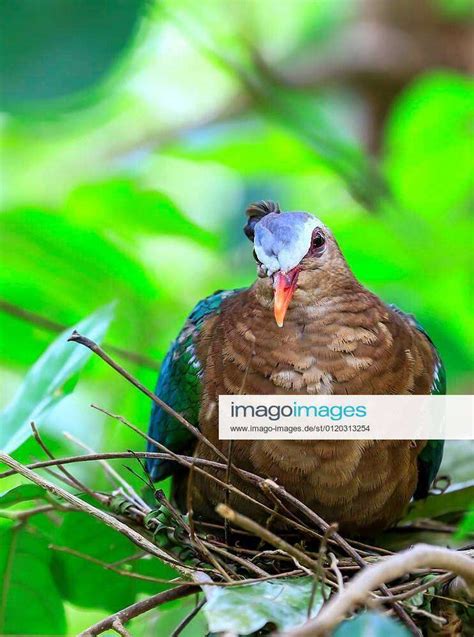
<point x="239" y="560"/>
<point x="107" y="519"/>
<point x="87" y="342"/>
<point x="64" y="471"/>
<point x="189" y="503"/>
<point x="440" y="579"/>
<point x="320" y="572"/>
<point x="130" y="558"/>
<point x="113" y="568"/>
<point x="26" y="514"/>
<point x="110" y="471"/>
<point x="120" y="629"/>
<point x="62" y="478"/>
<point x="253" y="527"/>
<point x="189" y="617"/>
<point x="371" y="578"/>
<point x="441" y="621"/>
<point x="335" y="568"/>
<point x="175" y="581"/>
<point x="187" y="462"/>
<point x="265" y="484"/>
<point x="324" y="526"/>
<point x="114" y="477"/>
<point x="230" y="448"/>
<point x="139" y="608"/>
<point x="53" y="326"/>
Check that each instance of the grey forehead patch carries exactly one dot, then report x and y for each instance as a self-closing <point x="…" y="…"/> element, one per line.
<point x="282" y="240"/>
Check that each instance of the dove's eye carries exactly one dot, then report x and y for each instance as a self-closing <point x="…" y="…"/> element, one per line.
<point x="318" y="243"/>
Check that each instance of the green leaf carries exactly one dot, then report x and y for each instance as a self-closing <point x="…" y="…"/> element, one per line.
<point x="77" y="268"/>
<point x="466" y="527"/>
<point x="44" y="59"/>
<point x="47" y="382"/>
<point x="429" y="143"/>
<point x="371" y="624"/>
<point x="30" y="603"/>
<point x="456" y="499"/>
<point x="246" y="609"/>
<point x="111" y="206"/>
<point x="97" y="587"/>
<point x="21" y="493"/>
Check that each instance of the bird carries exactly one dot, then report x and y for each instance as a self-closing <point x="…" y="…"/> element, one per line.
<point x="305" y="326"/>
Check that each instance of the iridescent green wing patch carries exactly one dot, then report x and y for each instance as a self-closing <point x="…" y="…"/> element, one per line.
<point x="180" y="386"/>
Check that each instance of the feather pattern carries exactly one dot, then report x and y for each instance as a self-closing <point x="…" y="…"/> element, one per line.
<point x="179" y="386"/>
<point x="337" y="338"/>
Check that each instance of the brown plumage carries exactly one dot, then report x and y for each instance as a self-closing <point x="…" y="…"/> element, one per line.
<point x="337" y="338"/>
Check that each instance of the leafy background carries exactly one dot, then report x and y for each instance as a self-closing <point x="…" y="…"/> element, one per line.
<point x="134" y="135"/>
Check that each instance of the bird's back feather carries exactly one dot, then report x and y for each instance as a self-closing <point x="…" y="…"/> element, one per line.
<point x="179" y="386"/>
<point x="429" y="460"/>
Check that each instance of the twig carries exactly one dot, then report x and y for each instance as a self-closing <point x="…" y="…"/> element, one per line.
<point x="53" y="326"/>
<point x="253" y="527"/>
<point x="189" y="617"/>
<point x="256" y="570"/>
<point x="186" y="461"/>
<point x="24" y="515"/>
<point x="110" y="471"/>
<point x="335" y="568"/>
<point x="346" y="547"/>
<point x="189" y="461"/>
<point x="72" y="479"/>
<point x="230" y="448"/>
<point x="320" y="572"/>
<point x="189" y="503"/>
<point x="441" y="621"/>
<point x="87" y="342"/>
<point x="139" y="608"/>
<point x="440" y="579"/>
<point x="104" y="517"/>
<point x="371" y="578"/>
<point x="120" y="628"/>
<point x="113" y="567"/>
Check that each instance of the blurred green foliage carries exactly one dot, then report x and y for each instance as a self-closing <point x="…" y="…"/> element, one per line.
<point x="135" y="134"/>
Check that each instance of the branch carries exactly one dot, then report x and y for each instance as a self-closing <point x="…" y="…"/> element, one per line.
<point x="345" y="546"/>
<point x="189" y="617"/>
<point x="113" y="567"/>
<point x="139" y="608"/>
<point x="372" y="577"/>
<point x="249" y="525"/>
<point x="52" y="326"/>
<point x="87" y="342"/>
<point x="107" y="519"/>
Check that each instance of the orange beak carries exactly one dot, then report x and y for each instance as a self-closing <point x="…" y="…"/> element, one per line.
<point x="284" y="286"/>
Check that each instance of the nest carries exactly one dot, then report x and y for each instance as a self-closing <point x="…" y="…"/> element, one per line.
<point x="349" y="574"/>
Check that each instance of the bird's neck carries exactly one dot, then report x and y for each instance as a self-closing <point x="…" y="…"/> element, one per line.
<point x="316" y="295"/>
